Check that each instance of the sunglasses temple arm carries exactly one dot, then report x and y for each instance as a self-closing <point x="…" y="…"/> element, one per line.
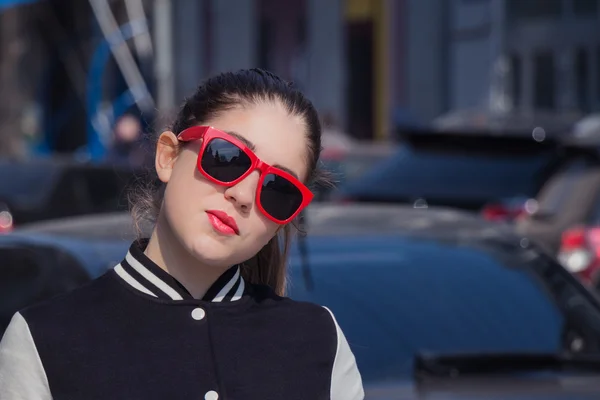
<point x="303" y="248"/>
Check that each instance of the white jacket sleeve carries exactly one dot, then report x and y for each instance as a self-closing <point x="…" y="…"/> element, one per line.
<point x="22" y="375"/>
<point x="346" y="382"/>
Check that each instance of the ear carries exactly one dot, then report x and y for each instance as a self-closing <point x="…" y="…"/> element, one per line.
<point x="166" y="154"/>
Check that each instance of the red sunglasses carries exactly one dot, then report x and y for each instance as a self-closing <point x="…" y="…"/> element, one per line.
<point x="226" y="161"/>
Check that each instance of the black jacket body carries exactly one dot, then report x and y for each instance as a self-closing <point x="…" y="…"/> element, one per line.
<point x="136" y="333"/>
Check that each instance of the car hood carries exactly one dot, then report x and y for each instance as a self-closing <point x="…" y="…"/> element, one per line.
<point x="542" y="388"/>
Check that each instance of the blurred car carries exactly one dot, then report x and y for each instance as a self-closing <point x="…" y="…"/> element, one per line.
<point x="492" y="165"/>
<point x="566" y="215"/>
<point x="438" y="303"/>
<point x="434" y="302"/>
<point x="42" y="189"/>
<point x="462" y="171"/>
<point x="570" y="198"/>
<point x="579" y="249"/>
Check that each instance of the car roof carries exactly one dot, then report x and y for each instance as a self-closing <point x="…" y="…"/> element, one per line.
<point x="511" y="122"/>
<point x="322" y="219"/>
<point x="389" y="218"/>
<point x="97" y="226"/>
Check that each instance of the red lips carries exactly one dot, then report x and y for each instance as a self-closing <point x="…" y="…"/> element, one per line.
<point x="224" y="219"/>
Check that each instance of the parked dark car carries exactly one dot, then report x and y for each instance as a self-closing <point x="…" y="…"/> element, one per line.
<point x="435" y="303"/>
<point x="480" y="162"/>
<point x="566" y="213"/>
<point x="460" y="170"/>
<point x="42" y="189"/>
<point x="569" y="198"/>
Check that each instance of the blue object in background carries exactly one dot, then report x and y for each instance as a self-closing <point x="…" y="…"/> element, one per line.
<point x="6" y="4"/>
<point x="100" y="58"/>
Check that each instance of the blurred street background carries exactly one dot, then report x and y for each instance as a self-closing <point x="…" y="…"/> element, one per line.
<point x="463" y="135"/>
<point x="71" y="68"/>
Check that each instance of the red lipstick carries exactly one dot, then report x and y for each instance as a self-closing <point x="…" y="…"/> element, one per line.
<point x="222" y="222"/>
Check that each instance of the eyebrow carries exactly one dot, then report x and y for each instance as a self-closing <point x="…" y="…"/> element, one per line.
<point x="242" y="139"/>
<point x="252" y="147"/>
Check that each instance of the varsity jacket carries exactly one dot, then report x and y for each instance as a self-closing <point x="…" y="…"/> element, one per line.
<point x="137" y="333"/>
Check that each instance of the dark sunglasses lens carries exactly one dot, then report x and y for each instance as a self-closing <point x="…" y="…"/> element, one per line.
<point x="280" y="197"/>
<point x="224" y="161"/>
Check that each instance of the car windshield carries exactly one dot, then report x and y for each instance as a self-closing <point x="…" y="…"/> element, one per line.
<point x="448" y="177"/>
<point x="395" y="297"/>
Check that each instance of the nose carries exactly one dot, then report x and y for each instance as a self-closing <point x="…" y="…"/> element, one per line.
<point x="244" y="192"/>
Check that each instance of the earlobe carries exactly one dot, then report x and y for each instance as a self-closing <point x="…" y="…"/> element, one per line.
<point x="166" y="154"/>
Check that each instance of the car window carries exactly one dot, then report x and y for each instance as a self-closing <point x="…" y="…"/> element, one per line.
<point x="453" y="175"/>
<point x="558" y="189"/>
<point x="394" y="297"/>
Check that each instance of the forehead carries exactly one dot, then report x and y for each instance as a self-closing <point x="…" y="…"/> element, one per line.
<point x="278" y="138"/>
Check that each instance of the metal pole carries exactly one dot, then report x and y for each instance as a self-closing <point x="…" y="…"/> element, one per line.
<point x="163" y="39"/>
<point x="123" y="56"/>
<point x="143" y="43"/>
<point x="498" y="94"/>
<point x="98" y="124"/>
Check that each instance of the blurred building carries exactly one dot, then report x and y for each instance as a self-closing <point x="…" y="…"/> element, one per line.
<point x="300" y="40"/>
<point x="378" y="63"/>
<point x="504" y="54"/>
<point x="371" y="64"/>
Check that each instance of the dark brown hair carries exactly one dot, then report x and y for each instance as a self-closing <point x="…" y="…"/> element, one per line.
<point x="217" y="95"/>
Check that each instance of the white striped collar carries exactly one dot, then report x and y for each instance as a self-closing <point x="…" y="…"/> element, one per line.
<point x="144" y="275"/>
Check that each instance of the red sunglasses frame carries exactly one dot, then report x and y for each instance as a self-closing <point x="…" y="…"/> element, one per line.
<point x="208" y="133"/>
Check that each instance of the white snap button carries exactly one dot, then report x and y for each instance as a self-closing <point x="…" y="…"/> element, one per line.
<point x="211" y="395"/>
<point x="198" y="314"/>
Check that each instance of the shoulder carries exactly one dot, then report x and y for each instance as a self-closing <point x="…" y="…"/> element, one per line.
<point x="22" y="375"/>
<point x="304" y="322"/>
<point x="315" y="328"/>
<point x="306" y="314"/>
<point x="60" y="311"/>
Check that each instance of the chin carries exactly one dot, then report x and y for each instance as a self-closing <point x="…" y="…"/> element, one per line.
<point x="211" y="252"/>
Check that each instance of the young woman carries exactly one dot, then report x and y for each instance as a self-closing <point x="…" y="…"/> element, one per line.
<point x="197" y="310"/>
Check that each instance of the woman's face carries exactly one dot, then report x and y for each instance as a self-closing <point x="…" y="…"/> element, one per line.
<point x="190" y="199"/>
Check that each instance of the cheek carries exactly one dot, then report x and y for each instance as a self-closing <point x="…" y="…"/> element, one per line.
<point x="184" y="194"/>
<point x="264" y="229"/>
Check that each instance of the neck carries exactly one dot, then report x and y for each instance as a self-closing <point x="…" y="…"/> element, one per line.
<point x="166" y="251"/>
